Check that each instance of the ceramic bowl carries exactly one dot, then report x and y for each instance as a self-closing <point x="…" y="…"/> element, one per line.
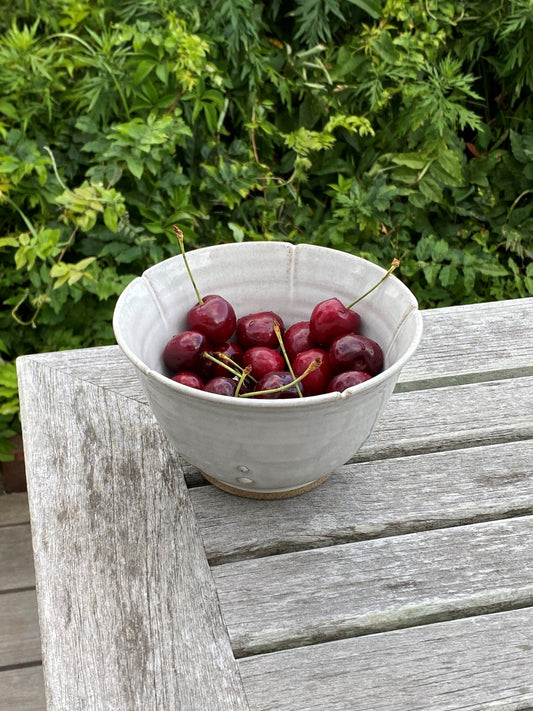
<point x="265" y="448"/>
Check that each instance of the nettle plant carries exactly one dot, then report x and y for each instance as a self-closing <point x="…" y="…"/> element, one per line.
<point x="389" y="129"/>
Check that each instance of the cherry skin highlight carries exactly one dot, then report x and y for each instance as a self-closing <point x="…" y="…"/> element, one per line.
<point x="263" y="360"/>
<point x="355" y="352"/>
<point x="276" y="379"/>
<point x="231" y="350"/>
<point x="298" y="338"/>
<point x="316" y="382"/>
<point x="192" y="380"/>
<point x="329" y="319"/>
<point x="221" y="386"/>
<point x="214" y="317"/>
<point x="184" y="351"/>
<point x="347" y="379"/>
<point x="258" y="330"/>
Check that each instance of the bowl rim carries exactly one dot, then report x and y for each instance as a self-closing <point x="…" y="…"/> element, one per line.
<point x="282" y="404"/>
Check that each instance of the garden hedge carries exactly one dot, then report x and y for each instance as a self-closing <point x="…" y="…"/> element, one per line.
<point x="389" y="128"/>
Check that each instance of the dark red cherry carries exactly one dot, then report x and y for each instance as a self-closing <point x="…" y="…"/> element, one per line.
<point x="355" y="352"/>
<point x="298" y="338"/>
<point x="273" y="380"/>
<point x="184" y="351"/>
<point x="258" y="330"/>
<point x="330" y="319"/>
<point x="231" y="350"/>
<point x="214" y="317"/>
<point x="263" y="360"/>
<point x="348" y="379"/>
<point x="192" y="380"/>
<point x="221" y="386"/>
<point x="316" y="382"/>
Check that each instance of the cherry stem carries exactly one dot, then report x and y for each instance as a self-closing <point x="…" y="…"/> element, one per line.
<point x="245" y="373"/>
<point x="316" y="363"/>
<point x="284" y="352"/>
<point x="230" y="365"/>
<point x="235" y="365"/>
<point x="393" y="266"/>
<point x="179" y="235"/>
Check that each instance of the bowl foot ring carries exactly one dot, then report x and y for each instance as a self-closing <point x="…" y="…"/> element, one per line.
<point x="246" y="493"/>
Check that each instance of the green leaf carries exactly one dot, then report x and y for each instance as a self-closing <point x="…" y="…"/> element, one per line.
<point x="451" y="162"/>
<point x="372" y="7"/>
<point x="135" y="165"/>
<point x="110" y="218"/>
<point x="492" y="269"/>
<point x="410" y="160"/>
<point x="448" y="275"/>
<point x="431" y="189"/>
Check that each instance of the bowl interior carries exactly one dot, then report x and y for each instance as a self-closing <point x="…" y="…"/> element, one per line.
<point x="257" y="276"/>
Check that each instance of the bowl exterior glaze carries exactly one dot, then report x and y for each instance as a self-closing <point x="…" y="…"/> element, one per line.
<point x="265" y="446"/>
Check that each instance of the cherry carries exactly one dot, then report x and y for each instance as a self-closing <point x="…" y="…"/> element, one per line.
<point x="347" y="379"/>
<point x="212" y="315"/>
<point x="184" y="351"/>
<point x="230" y="350"/>
<point x="298" y="338"/>
<point x="263" y="360"/>
<point x="355" y="352"/>
<point x="215" y="317"/>
<point x="221" y="385"/>
<point x="192" y="380"/>
<point x="315" y="382"/>
<point x="329" y="319"/>
<point x="272" y="381"/>
<point x="258" y="329"/>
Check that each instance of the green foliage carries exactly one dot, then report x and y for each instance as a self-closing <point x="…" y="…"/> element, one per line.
<point x="386" y="128"/>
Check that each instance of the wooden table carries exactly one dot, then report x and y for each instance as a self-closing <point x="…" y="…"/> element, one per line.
<point x="404" y="582"/>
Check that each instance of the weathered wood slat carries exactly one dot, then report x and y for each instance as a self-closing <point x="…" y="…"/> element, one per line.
<point x="22" y="689"/>
<point x="347" y="590"/>
<point x="19" y="629"/>
<point x="476" y="664"/>
<point x="372" y="499"/>
<point x="16" y="559"/>
<point x="14" y="509"/>
<point x="449" y="417"/>
<point x="455" y="347"/>
<point x="128" y="608"/>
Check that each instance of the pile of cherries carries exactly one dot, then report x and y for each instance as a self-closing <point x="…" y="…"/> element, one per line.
<point x="256" y="356"/>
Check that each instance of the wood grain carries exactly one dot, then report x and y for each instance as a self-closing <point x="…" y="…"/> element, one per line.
<point x="19" y="636"/>
<point x="14" y="509"/>
<point x="373" y="499"/>
<point x="16" y="559"/>
<point x="476" y="664"/>
<point x="348" y="590"/>
<point x="128" y="607"/>
<point x="22" y="690"/>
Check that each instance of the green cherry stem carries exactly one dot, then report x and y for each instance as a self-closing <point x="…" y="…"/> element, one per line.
<point x="393" y="266"/>
<point x="284" y="352"/>
<point x="228" y="367"/>
<point x="179" y="235"/>
<point x="246" y="372"/>
<point x="316" y="363"/>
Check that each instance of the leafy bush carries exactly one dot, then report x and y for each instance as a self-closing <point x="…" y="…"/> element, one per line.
<point x="387" y="129"/>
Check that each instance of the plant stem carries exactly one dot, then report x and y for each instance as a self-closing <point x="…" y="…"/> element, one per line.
<point x="179" y="235"/>
<point x="312" y="366"/>
<point x="393" y="266"/>
<point x="284" y="352"/>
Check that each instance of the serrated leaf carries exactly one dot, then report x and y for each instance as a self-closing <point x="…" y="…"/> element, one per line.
<point x="135" y="166"/>
<point x="410" y="160"/>
<point x="440" y="250"/>
<point x="431" y="189"/>
<point x="452" y="163"/>
<point x="448" y="275"/>
<point x="493" y="270"/>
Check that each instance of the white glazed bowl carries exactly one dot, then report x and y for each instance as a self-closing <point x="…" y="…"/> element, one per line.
<point x="265" y="448"/>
